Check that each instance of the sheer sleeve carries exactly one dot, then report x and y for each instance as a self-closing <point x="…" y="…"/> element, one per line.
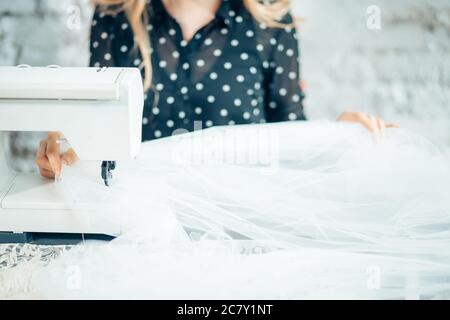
<point x="284" y="96"/>
<point x="102" y="39"/>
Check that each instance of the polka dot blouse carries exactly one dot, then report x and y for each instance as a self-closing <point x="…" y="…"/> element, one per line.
<point x="233" y="71"/>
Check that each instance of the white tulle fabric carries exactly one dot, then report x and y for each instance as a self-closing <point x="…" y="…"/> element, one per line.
<point x="295" y="210"/>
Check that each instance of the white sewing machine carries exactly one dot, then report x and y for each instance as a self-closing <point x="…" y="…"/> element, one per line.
<point x="99" y="112"/>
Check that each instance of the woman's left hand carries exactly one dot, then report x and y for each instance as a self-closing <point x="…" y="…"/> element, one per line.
<point x="373" y="124"/>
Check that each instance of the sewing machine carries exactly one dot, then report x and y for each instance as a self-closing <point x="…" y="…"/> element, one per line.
<point x="99" y="112"/>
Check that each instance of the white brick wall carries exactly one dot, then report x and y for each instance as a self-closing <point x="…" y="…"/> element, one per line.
<point x="401" y="72"/>
<point x="36" y="32"/>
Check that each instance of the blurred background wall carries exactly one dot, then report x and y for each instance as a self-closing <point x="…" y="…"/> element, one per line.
<point x="397" y="66"/>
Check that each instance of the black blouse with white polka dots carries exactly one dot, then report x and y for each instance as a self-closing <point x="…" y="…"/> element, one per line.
<point x="233" y="71"/>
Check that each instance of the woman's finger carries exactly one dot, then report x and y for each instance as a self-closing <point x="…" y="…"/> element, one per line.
<point x="46" y="173"/>
<point x="53" y="156"/>
<point x="41" y="157"/>
<point x="374" y="128"/>
<point x="69" y="158"/>
<point x="367" y="122"/>
<point x="381" y="127"/>
<point x="392" y="125"/>
<point x="374" y="123"/>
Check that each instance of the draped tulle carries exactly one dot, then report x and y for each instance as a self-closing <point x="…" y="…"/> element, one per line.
<point x="298" y="210"/>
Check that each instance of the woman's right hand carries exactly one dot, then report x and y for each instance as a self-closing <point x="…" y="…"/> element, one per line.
<point x="49" y="158"/>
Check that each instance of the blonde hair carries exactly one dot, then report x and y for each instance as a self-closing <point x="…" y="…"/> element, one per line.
<point x="265" y="12"/>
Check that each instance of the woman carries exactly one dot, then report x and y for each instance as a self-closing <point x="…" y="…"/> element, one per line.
<point x="341" y="218"/>
<point x="203" y="62"/>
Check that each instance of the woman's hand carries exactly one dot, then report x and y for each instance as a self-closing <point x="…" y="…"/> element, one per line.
<point x="373" y="124"/>
<point x="49" y="159"/>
